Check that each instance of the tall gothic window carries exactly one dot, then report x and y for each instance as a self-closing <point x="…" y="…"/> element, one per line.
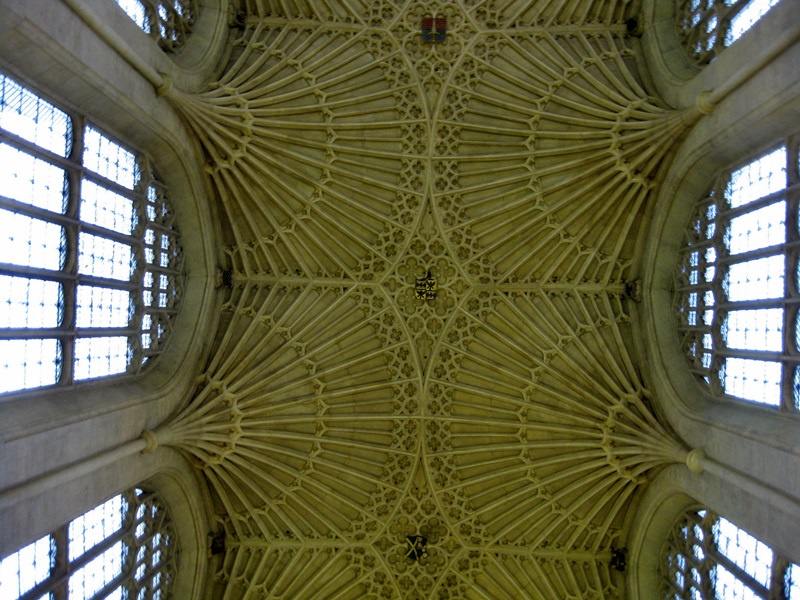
<point x="736" y="286"/>
<point x="707" y="557"/>
<point x="90" y="273"/>
<point x="171" y="22"/>
<point x="123" y="549"/>
<point x="707" y="27"/>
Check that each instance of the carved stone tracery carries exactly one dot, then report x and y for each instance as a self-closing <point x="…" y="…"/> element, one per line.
<point x="505" y="420"/>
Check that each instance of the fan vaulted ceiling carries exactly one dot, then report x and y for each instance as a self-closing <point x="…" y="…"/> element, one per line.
<point x="501" y="415"/>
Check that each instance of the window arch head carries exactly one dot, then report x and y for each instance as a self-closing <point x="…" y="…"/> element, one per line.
<point x="736" y="284"/>
<point x="707" y="27"/>
<point x="91" y="274"/>
<point x="124" y="548"/>
<point x="706" y="557"/>
<point x="170" y="22"/>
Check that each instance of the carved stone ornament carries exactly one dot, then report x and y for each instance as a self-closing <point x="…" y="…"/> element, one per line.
<point x="423" y="385"/>
<point x="425" y="288"/>
<point x="417" y="547"/>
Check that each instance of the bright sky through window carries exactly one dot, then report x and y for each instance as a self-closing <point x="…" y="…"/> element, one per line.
<point x="707" y="27"/>
<point x="124" y="548"/>
<point x="706" y="552"/>
<point x="136" y="11"/>
<point x="731" y="284"/>
<point x="747" y="17"/>
<point x="91" y="273"/>
<point x="170" y="22"/>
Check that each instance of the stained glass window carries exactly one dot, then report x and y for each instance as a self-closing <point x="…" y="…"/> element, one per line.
<point x="707" y="557"/>
<point x="736" y="285"/>
<point x="706" y="27"/>
<point x="171" y="22"/>
<point x="90" y="275"/>
<point x="125" y="548"/>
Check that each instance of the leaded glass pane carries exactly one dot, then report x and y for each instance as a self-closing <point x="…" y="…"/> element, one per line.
<point x="760" y="329"/>
<point x="792" y="582"/>
<point x="107" y="158"/>
<point x="93" y="527"/>
<point x="764" y="176"/>
<point x="98" y="573"/>
<point x="135" y="9"/>
<point x="103" y="257"/>
<point x="32" y="180"/>
<point x="706" y="557"/>
<point x="30" y="302"/>
<point x="171" y="22"/>
<point x="100" y="206"/>
<point x="103" y="307"/>
<point x="746" y="18"/>
<point x="31" y="242"/>
<point x="758" y="229"/>
<point x="29" y="363"/>
<point x="731" y="289"/>
<point x="103" y="557"/>
<point x="26" y="568"/>
<point x="726" y="585"/>
<point x="796" y="389"/>
<point x="28" y="116"/>
<point x="755" y="380"/>
<point x="100" y="356"/>
<point x="707" y="27"/>
<point x="756" y="279"/>
<point x="745" y="551"/>
<point x="87" y="207"/>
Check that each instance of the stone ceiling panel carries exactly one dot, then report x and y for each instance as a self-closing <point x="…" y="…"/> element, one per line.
<point x="423" y="385"/>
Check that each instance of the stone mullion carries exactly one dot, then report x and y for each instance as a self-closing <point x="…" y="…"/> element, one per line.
<point x="720" y="227"/>
<point x="777" y="582"/>
<point x="72" y="234"/>
<point x="138" y="251"/>
<point x="790" y="400"/>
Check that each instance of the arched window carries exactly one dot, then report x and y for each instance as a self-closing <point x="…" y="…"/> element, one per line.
<point x="171" y="22"/>
<point x="706" y="27"/>
<point x="736" y="286"/>
<point x="125" y="548"/>
<point x="90" y="274"/>
<point x="708" y="557"/>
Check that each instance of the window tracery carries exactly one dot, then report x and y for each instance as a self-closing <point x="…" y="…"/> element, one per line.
<point x="170" y="22"/>
<point x="707" y="27"/>
<point x="736" y="285"/>
<point x="90" y="274"/>
<point x="123" y="548"/>
<point x="707" y="557"/>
